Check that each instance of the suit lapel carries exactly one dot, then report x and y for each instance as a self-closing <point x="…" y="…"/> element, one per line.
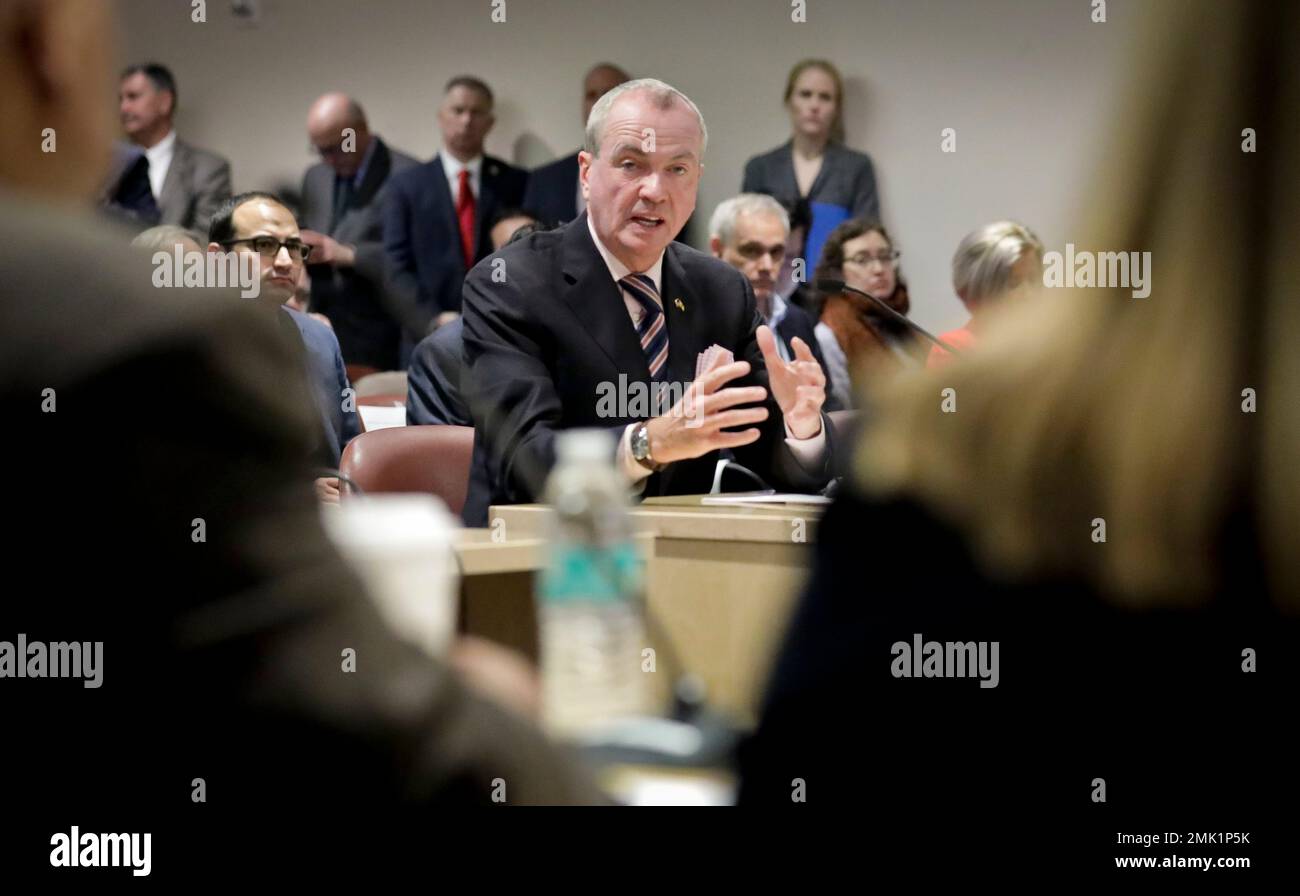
<point x="486" y="208"/>
<point x="683" y="314"/>
<point x="375" y="175"/>
<point x="785" y="171"/>
<point x="444" y="204"/>
<point x="172" y="200"/>
<point x="597" y="302"/>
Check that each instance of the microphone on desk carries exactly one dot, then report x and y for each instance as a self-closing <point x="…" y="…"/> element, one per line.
<point x="839" y="286"/>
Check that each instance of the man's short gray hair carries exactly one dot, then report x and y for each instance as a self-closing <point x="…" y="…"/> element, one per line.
<point x="723" y="223"/>
<point x="981" y="266"/>
<point x="663" y="95"/>
<point x="164" y="238"/>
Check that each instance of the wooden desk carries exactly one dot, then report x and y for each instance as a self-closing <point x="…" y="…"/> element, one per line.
<point x="720" y="582"/>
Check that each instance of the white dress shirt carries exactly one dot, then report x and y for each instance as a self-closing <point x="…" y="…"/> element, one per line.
<point x="160" y="159"/>
<point x="453" y="166"/>
<point x="807" y="451"/>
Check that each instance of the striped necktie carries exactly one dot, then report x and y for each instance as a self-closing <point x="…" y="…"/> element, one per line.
<point x="653" y="329"/>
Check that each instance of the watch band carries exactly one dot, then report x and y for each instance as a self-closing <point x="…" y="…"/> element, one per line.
<point x="641" y="434"/>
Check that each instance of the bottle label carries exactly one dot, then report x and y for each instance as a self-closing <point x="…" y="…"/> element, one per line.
<point x="578" y="572"/>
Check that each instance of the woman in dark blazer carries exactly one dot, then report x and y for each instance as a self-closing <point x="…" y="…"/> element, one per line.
<point x="814" y="166"/>
<point x="1105" y="505"/>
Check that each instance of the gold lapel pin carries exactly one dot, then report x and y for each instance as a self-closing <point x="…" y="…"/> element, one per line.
<point x="678" y="303"/>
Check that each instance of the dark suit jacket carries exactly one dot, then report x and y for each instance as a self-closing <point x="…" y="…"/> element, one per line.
<point x="433" y="393"/>
<point x="539" y="346"/>
<point x="422" y="236"/>
<point x="328" y="381"/>
<point x="847" y="178"/>
<point x="194" y="408"/>
<point x="1086" y="689"/>
<point x="553" y="191"/>
<point x="434" y="398"/>
<point x="197" y="182"/>
<point x="365" y="318"/>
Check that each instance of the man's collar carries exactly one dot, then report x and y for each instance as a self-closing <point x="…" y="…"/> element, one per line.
<point x="778" y="309"/>
<point x="617" y="269"/>
<point x="163" y="147"/>
<point x="453" y="165"/>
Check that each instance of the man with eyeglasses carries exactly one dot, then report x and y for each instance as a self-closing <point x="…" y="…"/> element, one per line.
<point x="750" y="232"/>
<point x="342" y="198"/>
<point x="259" y="223"/>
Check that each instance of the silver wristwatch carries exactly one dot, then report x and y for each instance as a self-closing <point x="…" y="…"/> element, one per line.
<point x="640" y="444"/>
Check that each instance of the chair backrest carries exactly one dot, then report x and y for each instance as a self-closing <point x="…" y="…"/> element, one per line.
<point x="386" y="382"/>
<point x="430" y="459"/>
<point x="358" y="372"/>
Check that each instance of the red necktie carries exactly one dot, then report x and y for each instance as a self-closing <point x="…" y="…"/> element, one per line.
<point x="465" y="214"/>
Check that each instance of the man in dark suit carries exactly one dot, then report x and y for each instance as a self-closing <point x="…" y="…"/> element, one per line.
<point x="433" y="391"/>
<point x="159" y="178"/>
<point x="750" y="232"/>
<point x="553" y="189"/>
<point x="259" y="224"/>
<point x="342" y="198"/>
<point x="222" y="608"/>
<point x="609" y="302"/>
<point x="438" y="216"/>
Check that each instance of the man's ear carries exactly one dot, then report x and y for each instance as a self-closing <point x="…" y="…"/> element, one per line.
<point x="491" y="120"/>
<point x="214" y="248"/>
<point x="715" y="246"/>
<point x="584" y="169"/>
<point x="171" y="103"/>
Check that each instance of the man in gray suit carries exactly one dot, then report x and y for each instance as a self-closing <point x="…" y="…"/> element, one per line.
<point x="223" y="613"/>
<point x="342" y="198"/>
<point x="158" y="178"/>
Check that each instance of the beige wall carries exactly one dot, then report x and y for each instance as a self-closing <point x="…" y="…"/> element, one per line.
<point x="1025" y="83"/>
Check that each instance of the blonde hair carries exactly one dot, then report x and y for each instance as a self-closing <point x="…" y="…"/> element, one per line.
<point x="983" y="263"/>
<point x="1093" y="404"/>
<point x="827" y="67"/>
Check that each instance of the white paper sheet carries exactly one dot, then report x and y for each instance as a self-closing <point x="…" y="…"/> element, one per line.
<point x="377" y="417"/>
<point x="732" y="500"/>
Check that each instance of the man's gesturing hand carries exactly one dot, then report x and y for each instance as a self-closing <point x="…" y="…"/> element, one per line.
<point x="695" y="425"/>
<point x="799" y="386"/>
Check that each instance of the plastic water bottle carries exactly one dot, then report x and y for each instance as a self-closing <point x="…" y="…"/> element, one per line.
<point x="590" y="591"/>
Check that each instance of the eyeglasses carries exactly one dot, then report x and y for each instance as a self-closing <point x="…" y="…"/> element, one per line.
<point x="863" y="259"/>
<point x="269" y="247"/>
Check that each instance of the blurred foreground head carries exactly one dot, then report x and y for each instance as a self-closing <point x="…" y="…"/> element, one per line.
<point x="56" y="92"/>
<point x="1172" y="417"/>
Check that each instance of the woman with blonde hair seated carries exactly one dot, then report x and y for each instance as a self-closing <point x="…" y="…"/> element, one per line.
<point x="1060" y="596"/>
<point x="999" y="261"/>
